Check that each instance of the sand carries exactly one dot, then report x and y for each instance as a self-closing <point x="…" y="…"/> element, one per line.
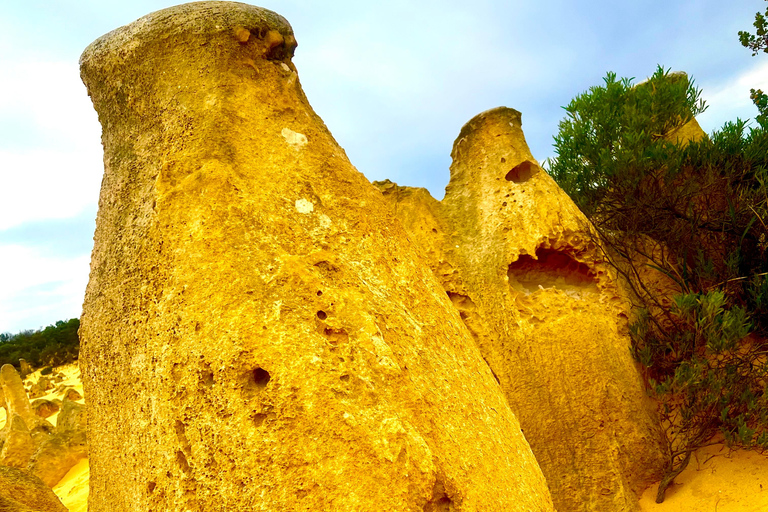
<point x="717" y="480"/>
<point x="72" y="490"/>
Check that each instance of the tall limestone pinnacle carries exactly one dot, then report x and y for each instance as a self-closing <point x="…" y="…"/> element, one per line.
<point x="258" y="332"/>
<point x="511" y="250"/>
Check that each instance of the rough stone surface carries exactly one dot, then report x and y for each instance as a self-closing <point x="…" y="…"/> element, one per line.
<point x="72" y="394"/>
<point x="59" y="451"/>
<point x="45" y="408"/>
<point x="17" y="443"/>
<point x="15" y="398"/>
<point x="511" y="251"/>
<point x="258" y="333"/>
<point x="22" y="492"/>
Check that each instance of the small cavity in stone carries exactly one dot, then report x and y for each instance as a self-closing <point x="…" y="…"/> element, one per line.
<point x="261" y="377"/>
<point x="522" y="172"/>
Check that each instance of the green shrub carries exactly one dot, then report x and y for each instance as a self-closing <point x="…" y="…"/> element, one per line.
<point x="695" y="212"/>
<point x="55" y="345"/>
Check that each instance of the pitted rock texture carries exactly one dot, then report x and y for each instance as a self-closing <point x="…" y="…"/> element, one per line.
<point x="22" y="492"/>
<point x="258" y="333"/>
<point x="514" y="255"/>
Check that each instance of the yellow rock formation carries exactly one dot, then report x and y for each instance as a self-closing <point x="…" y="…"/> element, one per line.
<point x="511" y="251"/>
<point x="258" y="332"/>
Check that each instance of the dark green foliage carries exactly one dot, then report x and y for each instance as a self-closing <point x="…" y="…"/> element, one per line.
<point x="696" y="213"/>
<point x="47" y="370"/>
<point x="55" y="345"/>
<point x="707" y="375"/>
<point x="617" y="125"/>
<point x="758" y="42"/>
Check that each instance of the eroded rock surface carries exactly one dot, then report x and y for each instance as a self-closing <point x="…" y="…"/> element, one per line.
<point x="29" y="442"/>
<point x="61" y="449"/>
<point x="258" y="333"/>
<point x="16" y="442"/>
<point x="511" y="251"/>
<point x="22" y="492"/>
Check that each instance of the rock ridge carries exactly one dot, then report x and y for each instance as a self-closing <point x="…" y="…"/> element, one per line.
<point x="516" y="258"/>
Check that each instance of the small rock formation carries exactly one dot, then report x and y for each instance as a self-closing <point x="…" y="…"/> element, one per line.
<point x="41" y="387"/>
<point x="14" y="396"/>
<point x="24" y="369"/>
<point x="67" y="446"/>
<point x="45" y="408"/>
<point x="258" y="332"/>
<point x="16" y="443"/>
<point x="511" y="251"/>
<point x="22" y="492"/>
<point x="30" y="442"/>
<point x="72" y="394"/>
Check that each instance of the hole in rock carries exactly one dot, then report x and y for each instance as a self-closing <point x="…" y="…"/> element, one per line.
<point x="344" y="378"/>
<point x="440" y="501"/>
<point x="261" y="378"/>
<point x="319" y="293"/>
<point x="326" y="268"/>
<point x="551" y="269"/>
<point x="522" y="172"/>
<point x="336" y="336"/>
<point x="258" y="419"/>
<point x="181" y="459"/>
<point x="206" y="376"/>
<point x="181" y="435"/>
<point x="151" y="487"/>
<point x="322" y="315"/>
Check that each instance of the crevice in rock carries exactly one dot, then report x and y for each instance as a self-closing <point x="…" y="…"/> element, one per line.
<point x="440" y="502"/>
<point x="551" y="269"/>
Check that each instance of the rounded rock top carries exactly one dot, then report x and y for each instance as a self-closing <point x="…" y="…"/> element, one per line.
<point x="199" y="20"/>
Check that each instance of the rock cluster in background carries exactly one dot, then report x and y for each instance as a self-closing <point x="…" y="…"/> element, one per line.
<point x="29" y="441"/>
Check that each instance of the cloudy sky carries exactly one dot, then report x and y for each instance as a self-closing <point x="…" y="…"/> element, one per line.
<point x="394" y="81"/>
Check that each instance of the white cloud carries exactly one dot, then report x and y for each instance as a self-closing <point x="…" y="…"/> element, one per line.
<point x="57" y="173"/>
<point x="730" y="100"/>
<point x="39" y="289"/>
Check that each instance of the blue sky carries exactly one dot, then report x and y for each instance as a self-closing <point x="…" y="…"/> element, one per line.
<point x="394" y="81"/>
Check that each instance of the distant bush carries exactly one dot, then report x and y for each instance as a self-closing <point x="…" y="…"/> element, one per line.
<point x="53" y="346"/>
<point x="47" y="370"/>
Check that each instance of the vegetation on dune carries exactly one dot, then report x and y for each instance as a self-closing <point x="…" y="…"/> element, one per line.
<point x="55" y="345"/>
<point x="683" y="221"/>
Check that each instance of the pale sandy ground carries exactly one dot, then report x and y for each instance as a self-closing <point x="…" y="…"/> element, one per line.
<point x="73" y="488"/>
<point x="716" y="480"/>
